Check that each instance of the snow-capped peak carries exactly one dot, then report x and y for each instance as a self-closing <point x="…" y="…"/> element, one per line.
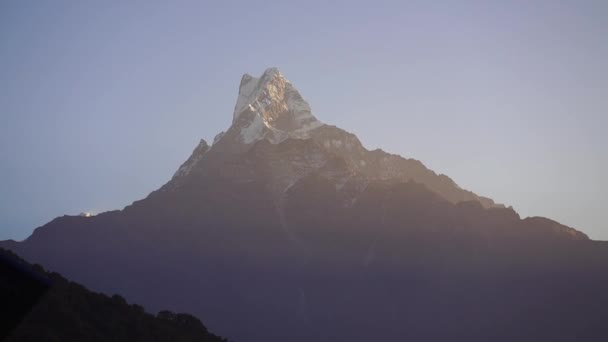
<point x="276" y="109"/>
<point x="251" y="87"/>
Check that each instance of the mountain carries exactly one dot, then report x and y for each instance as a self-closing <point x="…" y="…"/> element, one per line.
<point x="270" y="110"/>
<point x="59" y="310"/>
<point x="286" y="228"/>
<point x="20" y="289"/>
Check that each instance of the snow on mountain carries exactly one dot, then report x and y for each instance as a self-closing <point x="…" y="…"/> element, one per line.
<point x="269" y="108"/>
<point x="194" y="159"/>
<point x="275" y="109"/>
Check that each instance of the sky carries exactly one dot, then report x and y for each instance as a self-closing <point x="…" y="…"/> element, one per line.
<point x="101" y="101"/>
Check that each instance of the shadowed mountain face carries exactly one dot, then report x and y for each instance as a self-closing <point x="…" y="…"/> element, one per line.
<point x="289" y="229"/>
<point x="59" y="310"/>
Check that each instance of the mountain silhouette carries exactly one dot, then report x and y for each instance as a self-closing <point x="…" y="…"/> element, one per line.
<point x="289" y="229"/>
<point x="40" y="306"/>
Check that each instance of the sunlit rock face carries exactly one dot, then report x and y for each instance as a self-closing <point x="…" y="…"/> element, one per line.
<point x="289" y="229"/>
<point x="270" y="107"/>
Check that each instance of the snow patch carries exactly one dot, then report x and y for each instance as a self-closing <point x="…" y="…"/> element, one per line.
<point x="253" y="132"/>
<point x="309" y="127"/>
<point x="332" y="143"/>
<point x="194" y="159"/>
<point x="247" y="92"/>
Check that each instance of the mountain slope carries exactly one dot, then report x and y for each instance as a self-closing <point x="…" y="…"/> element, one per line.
<point x="305" y="234"/>
<point x="69" y="312"/>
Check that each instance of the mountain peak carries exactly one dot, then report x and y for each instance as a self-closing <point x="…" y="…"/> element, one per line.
<point x="270" y="106"/>
<point x="251" y="87"/>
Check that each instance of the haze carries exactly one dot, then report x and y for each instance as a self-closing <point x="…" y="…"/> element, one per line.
<point x="101" y="104"/>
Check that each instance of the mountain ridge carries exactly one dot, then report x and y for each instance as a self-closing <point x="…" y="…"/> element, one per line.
<point x="274" y="110"/>
<point x="57" y="309"/>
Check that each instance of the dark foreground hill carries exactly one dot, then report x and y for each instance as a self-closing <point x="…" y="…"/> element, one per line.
<point x="39" y="306"/>
<point x="288" y="229"/>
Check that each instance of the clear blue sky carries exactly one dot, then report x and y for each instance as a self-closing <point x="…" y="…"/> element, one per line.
<point x="100" y="101"/>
